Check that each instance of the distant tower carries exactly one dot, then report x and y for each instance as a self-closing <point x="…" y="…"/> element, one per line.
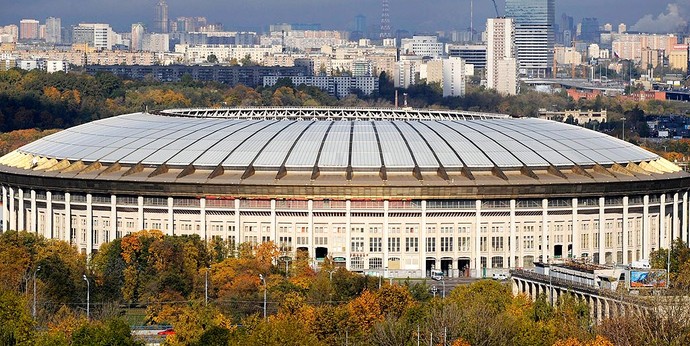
<point x="385" y="21"/>
<point x="161" y="19"/>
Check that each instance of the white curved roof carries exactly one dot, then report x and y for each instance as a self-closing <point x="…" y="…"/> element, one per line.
<point x="365" y="143"/>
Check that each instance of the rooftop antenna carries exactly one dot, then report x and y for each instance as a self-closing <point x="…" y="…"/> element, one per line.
<point x="496" y="8"/>
<point x="385" y="21"/>
<point x="471" y="20"/>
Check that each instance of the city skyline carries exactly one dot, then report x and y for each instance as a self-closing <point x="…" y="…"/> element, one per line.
<point x="660" y="16"/>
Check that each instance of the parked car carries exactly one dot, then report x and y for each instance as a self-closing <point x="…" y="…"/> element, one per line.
<point x="168" y="331"/>
<point x="500" y="276"/>
<point x="437" y="275"/>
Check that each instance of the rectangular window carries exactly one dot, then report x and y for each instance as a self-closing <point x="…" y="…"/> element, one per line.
<point x="431" y="244"/>
<point x="528" y="242"/>
<point x="446" y="244"/>
<point x="393" y="244"/>
<point x="496" y="243"/>
<point x="411" y="244"/>
<point x="357" y="244"/>
<point x="374" y="244"/>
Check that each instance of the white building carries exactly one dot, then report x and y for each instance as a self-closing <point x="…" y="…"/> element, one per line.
<point x="427" y="46"/>
<point x="335" y="86"/>
<point x="453" y="77"/>
<point x="159" y="43"/>
<point x="501" y="65"/>
<point x="99" y="36"/>
<point x="53" y="30"/>
<point x="137" y="39"/>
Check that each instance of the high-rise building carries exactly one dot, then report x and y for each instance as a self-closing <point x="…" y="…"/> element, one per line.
<point x="161" y="19"/>
<point x="501" y="69"/>
<point x="534" y="35"/>
<point x="360" y="23"/>
<point x="53" y="30"/>
<point x="137" y="42"/>
<point x="99" y="36"/>
<point x="589" y="31"/>
<point x="28" y="29"/>
<point x="453" y="77"/>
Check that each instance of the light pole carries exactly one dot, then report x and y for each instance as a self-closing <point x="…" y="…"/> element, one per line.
<point x="34" y="307"/>
<point x="206" y="287"/>
<point x="88" y="297"/>
<point x="623" y="129"/>
<point x="263" y="280"/>
<point x="443" y="283"/>
<point x="330" y="275"/>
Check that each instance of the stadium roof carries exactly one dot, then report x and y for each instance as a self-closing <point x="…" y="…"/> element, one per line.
<point x="364" y="144"/>
<point x="367" y="147"/>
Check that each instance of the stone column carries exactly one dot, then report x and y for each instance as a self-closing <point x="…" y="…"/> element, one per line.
<point x="113" y="218"/>
<point x="34" y="212"/>
<point x="312" y="246"/>
<point x="676" y="219"/>
<point x="513" y="243"/>
<point x="545" y="242"/>
<point x="89" y="225"/>
<point x="477" y="239"/>
<point x="646" y="239"/>
<point x="13" y="211"/>
<point x="68" y="218"/>
<point x="576" y="229"/>
<point x="602" y="221"/>
<point x="21" y="218"/>
<point x="5" y="210"/>
<point x="171" y="216"/>
<point x="684" y="227"/>
<point x="348" y="234"/>
<point x="202" y="212"/>
<point x="49" y="233"/>
<point x="663" y="237"/>
<point x="625" y="230"/>
<point x="384" y="238"/>
<point x="140" y="213"/>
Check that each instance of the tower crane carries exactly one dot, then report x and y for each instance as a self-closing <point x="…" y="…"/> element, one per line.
<point x="496" y="8"/>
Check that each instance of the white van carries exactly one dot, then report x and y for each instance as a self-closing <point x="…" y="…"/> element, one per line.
<point x="437" y="275"/>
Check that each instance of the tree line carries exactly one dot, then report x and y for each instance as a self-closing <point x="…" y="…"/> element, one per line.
<point x="211" y="293"/>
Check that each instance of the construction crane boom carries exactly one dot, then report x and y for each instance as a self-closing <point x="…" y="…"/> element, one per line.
<point x="496" y="8"/>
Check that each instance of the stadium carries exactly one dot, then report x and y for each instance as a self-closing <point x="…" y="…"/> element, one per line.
<point x="392" y="191"/>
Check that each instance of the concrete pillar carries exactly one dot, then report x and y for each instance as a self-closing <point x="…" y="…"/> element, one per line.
<point x="592" y="308"/>
<point x="646" y="234"/>
<point x="516" y="287"/>
<point x="68" y="218"/>
<point x="676" y="219"/>
<point x="274" y="223"/>
<point x="89" y="225"/>
<point x="204" y="224"/>
<point x="422" y="241"/>
<point x="684" y="227"/>
<point x="513" y="243"/>
<point x="384" y="239"/>
<point x="663" y="237"/>
<point x="5" y="210"/>
<point x="34" y="213"/>
<point x="171" y="217"/>
<point x="140" y="213"/>
<point x="312" y="247"/>
<point x="113" y="218"/>
<point x="602" y="221"/>
<point x="21" y="218"/>
<point x="348" y="235"/>
<point x="477" y="239"/>
<point x="13" y="211"/>
<point x="238" y="226"/>
<point x="544" y="230"/>
<point x="625" y="230"/>
<point x="576" y="229"/>
<point x="600" y="313"/>
<point x="48" y="232"/>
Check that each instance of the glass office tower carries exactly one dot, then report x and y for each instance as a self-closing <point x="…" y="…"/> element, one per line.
<point x="534" y="35"/>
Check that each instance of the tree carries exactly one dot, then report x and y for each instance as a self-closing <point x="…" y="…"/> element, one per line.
<point x="16" y="325"/>
<point x="212" y="59"/>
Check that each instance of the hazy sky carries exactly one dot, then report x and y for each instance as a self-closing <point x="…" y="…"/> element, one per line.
<point x="413" y="15"/>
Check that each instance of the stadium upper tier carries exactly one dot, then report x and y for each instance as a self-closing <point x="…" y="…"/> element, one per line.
<point x="273" y="142"/>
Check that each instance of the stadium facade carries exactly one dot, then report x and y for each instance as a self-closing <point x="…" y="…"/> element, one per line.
<point x="395" y="190"/>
